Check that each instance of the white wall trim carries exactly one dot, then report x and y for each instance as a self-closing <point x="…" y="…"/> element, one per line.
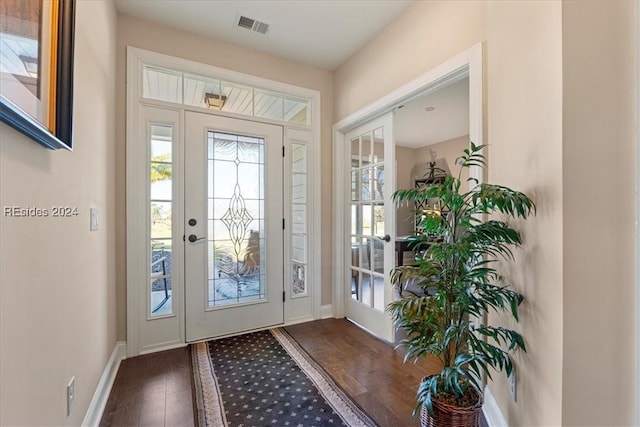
<point x="443" y="74"/>
<point x="163" y="347"/>
<point x="135" y="223"/>
<point x="338" y="221"/>
<point x="101" y="395"/>
<point x="327" y="311"/>
<point x="491" y="411"/>
<point x="468" y="63"/>
<point x="637" y="213"/>
<point x="295" y="321"/>
<point x="315" y="245"/>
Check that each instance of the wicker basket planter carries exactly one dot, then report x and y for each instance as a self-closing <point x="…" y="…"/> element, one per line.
<point x="446" y="415"/>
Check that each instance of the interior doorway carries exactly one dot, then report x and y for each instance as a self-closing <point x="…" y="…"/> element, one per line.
<point x="431" y="131"/>
<point x="412" y="159"/>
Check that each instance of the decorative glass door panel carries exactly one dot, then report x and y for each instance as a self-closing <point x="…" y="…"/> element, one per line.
<point x="236" y="219"/>
<point x="370" y="217"/>
<point x="233" y="230"/>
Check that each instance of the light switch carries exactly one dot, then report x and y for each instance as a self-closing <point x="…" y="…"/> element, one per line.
<point x="93" y="213"/>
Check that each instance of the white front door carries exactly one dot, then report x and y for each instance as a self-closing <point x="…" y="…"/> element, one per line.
<point x="370" y="224"/>
<point x="233" y="225"/>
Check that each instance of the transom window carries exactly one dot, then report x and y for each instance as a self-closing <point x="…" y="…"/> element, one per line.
<point x="199" y="91"/>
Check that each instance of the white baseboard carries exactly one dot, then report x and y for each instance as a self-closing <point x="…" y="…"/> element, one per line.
<point x="491" y="410"/>
<point x="296" y="320"/>
<point x="326" y="311"/>
<point x="101" y="395"/>
<point x="162" y="347"/>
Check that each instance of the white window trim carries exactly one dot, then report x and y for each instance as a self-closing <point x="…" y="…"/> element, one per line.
<point x="137" y="267"/>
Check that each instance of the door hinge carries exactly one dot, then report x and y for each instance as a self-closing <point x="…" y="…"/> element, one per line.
<point x="283" y="151"/>
<point x="283" y="294"/>
<point x="283" y="223"/>
<point x="183" y="239"/>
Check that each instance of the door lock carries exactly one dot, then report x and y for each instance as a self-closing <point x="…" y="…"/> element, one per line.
<point x="192" y="221"/>
<point x="193" y="238"/>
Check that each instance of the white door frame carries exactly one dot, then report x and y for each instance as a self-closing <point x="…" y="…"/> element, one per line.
<point x="637" y="242"/>
<point x="146" y="335"/>
<point x="468" y="63"/>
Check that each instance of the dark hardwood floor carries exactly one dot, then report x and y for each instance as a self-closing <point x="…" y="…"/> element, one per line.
<point x="156" y="389"/>
<point x="152" y="390"/>
<point x="369" y="370"/>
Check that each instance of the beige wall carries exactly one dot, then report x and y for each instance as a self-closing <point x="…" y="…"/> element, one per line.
<point x="524" y="121"/>
<point x="426" y="34"/>
<point x="145" y="35"/>
<point x="57" y="279"/>
<point x="599" y="200"/>
<point x="404" y="165"/>
<point x="445" y="154"/>
<point x="578" y="315"/>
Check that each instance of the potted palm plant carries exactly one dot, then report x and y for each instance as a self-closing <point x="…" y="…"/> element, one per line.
<point x="455" y="285"/>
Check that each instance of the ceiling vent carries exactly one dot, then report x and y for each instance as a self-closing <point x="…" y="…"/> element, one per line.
<point x="253" y="25"/>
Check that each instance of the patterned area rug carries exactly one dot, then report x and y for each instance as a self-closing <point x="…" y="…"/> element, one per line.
<point x="266" y="379"/>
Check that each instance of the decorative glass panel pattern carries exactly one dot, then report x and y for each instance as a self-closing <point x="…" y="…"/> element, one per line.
<point x="299" y="218"/>
<point x="236" y="219"/>
<point x="160" y="219"/>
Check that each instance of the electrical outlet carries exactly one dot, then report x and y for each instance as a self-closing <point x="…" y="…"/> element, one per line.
<point x="71" y="394"/>
<point x="512" y="380"/>
<point x="93" y="215"/>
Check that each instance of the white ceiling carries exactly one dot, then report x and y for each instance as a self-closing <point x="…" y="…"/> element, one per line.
<point x="414" y="127"/>
<point x="323" y="33"/>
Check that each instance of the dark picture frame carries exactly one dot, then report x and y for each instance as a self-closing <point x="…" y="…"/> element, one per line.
<point x="58" y="133"/>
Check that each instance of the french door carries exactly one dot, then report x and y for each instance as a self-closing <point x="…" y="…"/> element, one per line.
<point x="233" y="225"/>
<point x="370" y="225"/>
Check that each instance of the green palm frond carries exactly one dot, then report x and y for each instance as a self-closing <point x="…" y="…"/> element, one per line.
<point x="457" y="279"/>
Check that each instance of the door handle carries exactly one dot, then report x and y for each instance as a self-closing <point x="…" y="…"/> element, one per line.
<point x="386" y="238"/>
<point x="193" y="238"/>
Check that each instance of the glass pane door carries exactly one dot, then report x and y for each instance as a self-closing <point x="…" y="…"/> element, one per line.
<point x="370" y="247"/>
<point x="233" y="225"/>
<point x="367" y="218"/>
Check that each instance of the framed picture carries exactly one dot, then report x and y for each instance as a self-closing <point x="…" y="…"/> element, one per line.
<point x="36" y="69"/>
